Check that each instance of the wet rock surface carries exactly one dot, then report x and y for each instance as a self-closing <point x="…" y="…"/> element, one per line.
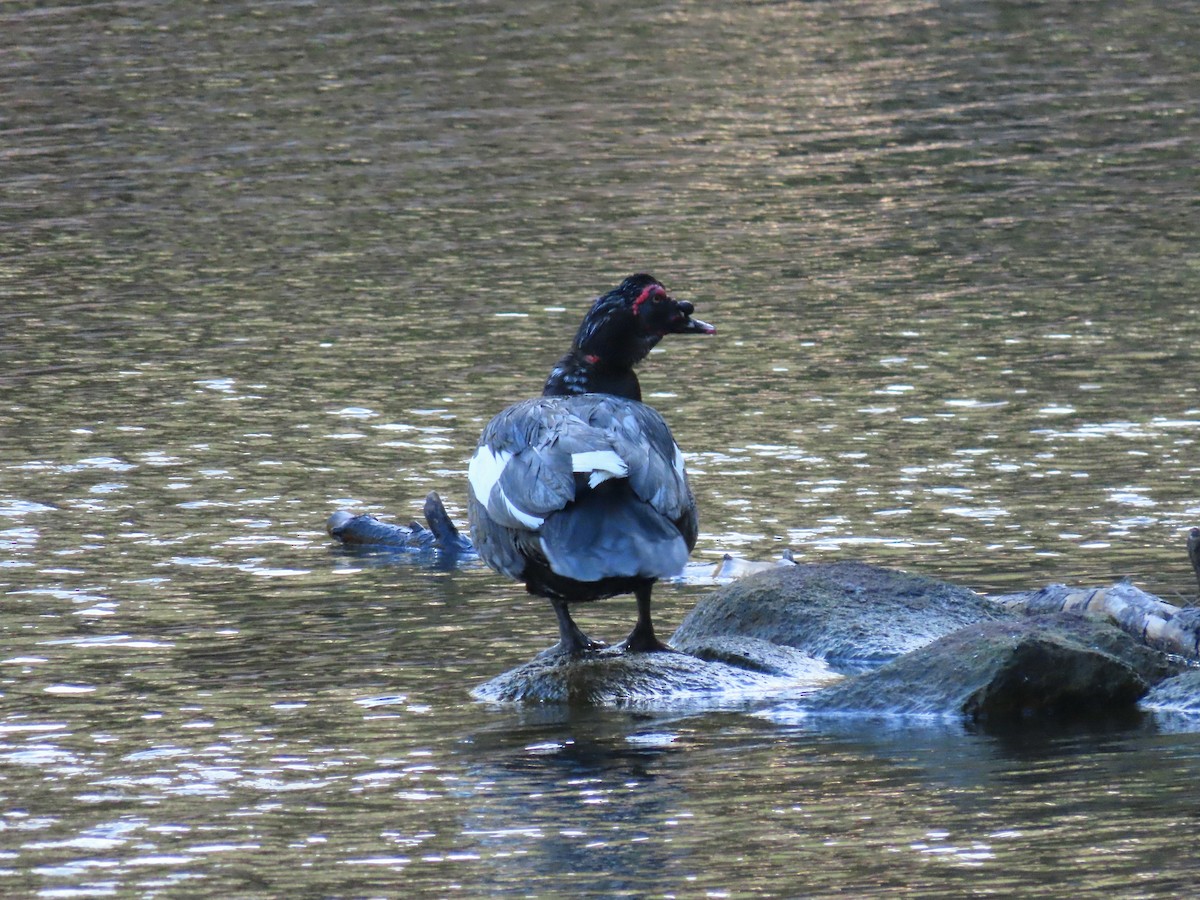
<point x="999" y="671"/>
<point x="1180" y="694"/>
<point x="613" y="678"/>
<point x="1151" y="664"/>
<point x="848" y="613"/>
<point x="758" y="655"/>
<point x="914" y="646"/>
<point x="783" y="629"/>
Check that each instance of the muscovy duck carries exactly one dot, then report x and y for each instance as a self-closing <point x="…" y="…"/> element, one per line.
<point x="581" y="493"/>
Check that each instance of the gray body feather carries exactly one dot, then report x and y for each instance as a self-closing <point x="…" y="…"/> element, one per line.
<point x="591" y="487"/>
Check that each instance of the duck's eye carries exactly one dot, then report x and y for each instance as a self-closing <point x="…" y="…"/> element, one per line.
<point x="654" y="295"/>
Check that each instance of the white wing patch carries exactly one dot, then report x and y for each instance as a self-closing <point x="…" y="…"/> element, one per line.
<point x="530" y="521"/>
<point x="602" y="464"/>
<point x="483" y="472"/>
<point x="679" y="462"/>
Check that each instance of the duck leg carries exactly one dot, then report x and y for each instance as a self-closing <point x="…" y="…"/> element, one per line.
<point x="571" y="638"/>
<point x="642" y="639"/>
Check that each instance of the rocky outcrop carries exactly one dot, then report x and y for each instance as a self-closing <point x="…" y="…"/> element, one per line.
<point x="848" y="613"/>
<point x="849" y="638"/>
<point x="1001" y="671"/>
<point x="613" y="678"/>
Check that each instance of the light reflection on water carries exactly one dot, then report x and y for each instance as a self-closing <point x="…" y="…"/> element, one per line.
<point x="265" y="263"/>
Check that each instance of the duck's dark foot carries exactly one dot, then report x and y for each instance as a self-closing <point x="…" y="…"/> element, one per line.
<point x="581" y="646"/>
<point x="641" y="640"/>
<point x="655" y="647"/>
<point x="571" y="639"/>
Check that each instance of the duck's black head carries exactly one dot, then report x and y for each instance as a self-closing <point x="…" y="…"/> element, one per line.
<point x="619" y="330"/>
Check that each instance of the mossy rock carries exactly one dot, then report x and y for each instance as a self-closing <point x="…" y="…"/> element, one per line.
<point x="613" y="678"/>
<point x="1002" y="671"/>
<point x="846" y="612"/>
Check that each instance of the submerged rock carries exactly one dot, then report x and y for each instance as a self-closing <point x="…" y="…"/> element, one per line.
<point x="1178" y="694"/>
<point x="613" y="678"/>
<point x="845" y="612"/>
<point x="1050" y="665"/>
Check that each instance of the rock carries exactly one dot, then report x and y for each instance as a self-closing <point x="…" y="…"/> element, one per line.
<point x="1193" y="551"/>
<point x="760" y="656"/>
<point x="1152" y="665"/>
<point x="777" y="634"/>
<point x="613" y="678"/>
<point x="1179" y="694"/>
<point x="999" y="671"/>
<point x="846" y="612"/>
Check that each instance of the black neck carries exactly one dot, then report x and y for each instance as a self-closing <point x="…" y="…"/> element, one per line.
<point x="608" y="345"/>
<point x="581" y="373"/>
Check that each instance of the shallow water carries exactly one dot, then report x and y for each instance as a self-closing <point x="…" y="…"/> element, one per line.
<point x="261" y="262"/>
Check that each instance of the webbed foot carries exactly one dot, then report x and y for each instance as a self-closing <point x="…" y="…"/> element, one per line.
<point x="643" y="640"/>
<point x="571" y="639"/>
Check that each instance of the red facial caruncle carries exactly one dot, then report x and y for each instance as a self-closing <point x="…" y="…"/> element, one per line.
<point x="650" y="292"/>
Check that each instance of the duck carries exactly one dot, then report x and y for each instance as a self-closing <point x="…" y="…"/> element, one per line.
<point x="582" y="493"/>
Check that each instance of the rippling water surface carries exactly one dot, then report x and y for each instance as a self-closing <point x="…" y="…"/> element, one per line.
<point x="259" y="262"/>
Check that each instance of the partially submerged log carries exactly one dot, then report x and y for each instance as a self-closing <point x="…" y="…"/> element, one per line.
<point x="1146" y="617"/>
<point x="366" y="531"/>
<point x="736" y="567"/>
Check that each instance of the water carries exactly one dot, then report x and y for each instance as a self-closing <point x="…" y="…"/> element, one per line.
<point x="261" y="262"/>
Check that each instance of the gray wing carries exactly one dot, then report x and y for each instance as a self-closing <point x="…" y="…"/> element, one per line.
<point x="656" y="468"/>
<point x="536" y="457"/>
